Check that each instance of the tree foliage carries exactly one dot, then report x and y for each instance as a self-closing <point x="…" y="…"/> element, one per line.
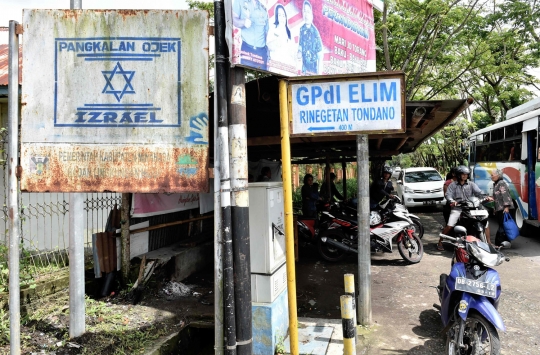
<point x="452" y="49"/>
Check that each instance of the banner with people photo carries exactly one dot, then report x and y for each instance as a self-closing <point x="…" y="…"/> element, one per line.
<point x="303" y="37"/>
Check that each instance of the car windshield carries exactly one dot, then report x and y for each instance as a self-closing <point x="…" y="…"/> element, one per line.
<point x="422" y="176"/>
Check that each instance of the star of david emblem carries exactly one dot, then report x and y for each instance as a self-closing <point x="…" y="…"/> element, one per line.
<point x="126" y="74"/>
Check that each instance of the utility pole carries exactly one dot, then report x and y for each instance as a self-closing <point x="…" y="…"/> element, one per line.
<point x="240" y="211"/>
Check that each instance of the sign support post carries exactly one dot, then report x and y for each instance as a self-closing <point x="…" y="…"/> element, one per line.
<point x="76" y="253"/>
<point x="289" y="226"/>
<point x="13" y="197"/>
<point x="363" y="308"/>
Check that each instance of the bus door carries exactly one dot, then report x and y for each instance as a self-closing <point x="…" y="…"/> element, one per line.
<point x="530" y="127"/>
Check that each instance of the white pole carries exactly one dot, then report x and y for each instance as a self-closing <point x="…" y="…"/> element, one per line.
<point x="76" y="253"/>
<point x="13" y="196"/>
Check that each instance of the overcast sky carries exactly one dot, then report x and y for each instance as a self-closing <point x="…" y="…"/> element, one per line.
<point x="12" y="9"/>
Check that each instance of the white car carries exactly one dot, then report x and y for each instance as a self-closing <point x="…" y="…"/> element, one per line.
<point x="397" y="171"/>
<point x="420" y="187"/>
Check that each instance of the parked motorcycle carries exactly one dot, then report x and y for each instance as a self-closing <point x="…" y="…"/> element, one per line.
<point x="469" y="296"/>
<point x="474" y="217"/>
<point x="310" y="227"/>
<point x="394" y="210"/>
<point x="341" y="238"/>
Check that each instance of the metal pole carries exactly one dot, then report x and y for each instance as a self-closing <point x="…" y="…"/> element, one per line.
<point x="289" y="227"/>
<point x="13" y="197"/>
<point x="364" y="251"/>
<point x="349" y="291"/>
<point x="222" y="65"/>
<point x="240" y="211"/>
<point x="221" y="61"/>
<point x="344" y="170"/>
<point x="349" y="334"/>
<point x="125" y="235"/>
<point x="76" y="253"/>
<point x="75" y="4"/>
<point x="76" y="266"/>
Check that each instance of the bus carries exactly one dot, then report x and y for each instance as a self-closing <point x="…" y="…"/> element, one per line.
<point x="512" y="146"/>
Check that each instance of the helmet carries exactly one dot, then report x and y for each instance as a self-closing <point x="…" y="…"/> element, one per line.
<point x="462" y="169"/>
<point x="387" y="169"/>
<point x="374" y="218"/>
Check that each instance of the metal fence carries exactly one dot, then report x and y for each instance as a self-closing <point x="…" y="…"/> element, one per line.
<point x="45" y="225"/>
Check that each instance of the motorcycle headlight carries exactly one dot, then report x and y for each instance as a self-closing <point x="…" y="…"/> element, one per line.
<point x="482" y="252"/>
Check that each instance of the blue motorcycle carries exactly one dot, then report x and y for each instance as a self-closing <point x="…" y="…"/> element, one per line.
<point x="469" y="297"/>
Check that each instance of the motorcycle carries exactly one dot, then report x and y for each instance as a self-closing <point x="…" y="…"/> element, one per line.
<point x="341" y="238"/>
<point x="310" y="227"/>
<point x="396" y="211"/>
<point x="469" y="296"/>
<point x="474" y="217"/>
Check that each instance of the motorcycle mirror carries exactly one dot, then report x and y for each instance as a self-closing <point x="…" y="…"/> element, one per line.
<point x="506" y="244"/>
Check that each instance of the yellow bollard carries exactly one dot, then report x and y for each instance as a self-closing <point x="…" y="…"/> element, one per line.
<point x="349" y="290"/>
<point x="349" y="338"/>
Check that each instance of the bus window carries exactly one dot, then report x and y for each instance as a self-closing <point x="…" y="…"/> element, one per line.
<point x="472" y="153"/>
<point x="486" y="137"/>
<point x="513" y="150"/>
<point x="497" y="134"/>
<point x="481" y="153"/>
<point x="496" y="152"/>
<point x="479" y="138"/>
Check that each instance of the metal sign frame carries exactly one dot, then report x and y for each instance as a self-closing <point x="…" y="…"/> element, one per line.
<point x="400" y="76"/>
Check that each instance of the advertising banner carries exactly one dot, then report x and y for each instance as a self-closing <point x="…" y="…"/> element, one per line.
<point x="303" y="37"/>
<point x="365" y="103"/>
<point x="115" y="101"/>
<point x="145" y="205"/>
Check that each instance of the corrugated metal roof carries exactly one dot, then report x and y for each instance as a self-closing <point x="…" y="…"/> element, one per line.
<point x="4" y="54"/>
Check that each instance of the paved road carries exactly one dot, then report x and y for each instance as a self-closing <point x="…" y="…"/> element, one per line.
<point x="402" y="296"/>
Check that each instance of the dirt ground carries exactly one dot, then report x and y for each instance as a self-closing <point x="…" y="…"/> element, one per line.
<point x="404" y="320"/>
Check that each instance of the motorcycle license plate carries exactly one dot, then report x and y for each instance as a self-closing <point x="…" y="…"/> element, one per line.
<point x="487" y="289"/>
<point x="479" y="213"/>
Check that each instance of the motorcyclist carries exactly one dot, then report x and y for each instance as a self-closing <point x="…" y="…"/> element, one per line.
<point x="460" y="190"/>
<point x="381" y="188"/>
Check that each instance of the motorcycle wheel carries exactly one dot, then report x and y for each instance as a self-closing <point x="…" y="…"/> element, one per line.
<point x="480" y="337"/>
<point x="328" y="252"/>
<point x="411" y="250"/>
<point x="418" y="227"/>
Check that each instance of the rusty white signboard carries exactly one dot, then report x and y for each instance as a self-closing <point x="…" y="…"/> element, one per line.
<point x="361" y="103"/>
<point x="115" y="101"/>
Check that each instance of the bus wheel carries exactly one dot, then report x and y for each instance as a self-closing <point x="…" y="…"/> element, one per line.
<point x="518" y="217"/>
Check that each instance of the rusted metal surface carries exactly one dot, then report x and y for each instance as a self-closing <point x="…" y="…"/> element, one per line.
<point x="79" y="167"/>
<point x="115" y="101"/>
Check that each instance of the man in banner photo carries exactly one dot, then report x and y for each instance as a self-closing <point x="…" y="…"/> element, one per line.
<point x="252" y="18"/>
<point x="310" y="47"/>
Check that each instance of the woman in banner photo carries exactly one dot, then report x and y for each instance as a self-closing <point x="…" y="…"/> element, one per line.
<point x="252" y="18"/>
<point x="280" y="44"/>
<point x="310" y="47"/>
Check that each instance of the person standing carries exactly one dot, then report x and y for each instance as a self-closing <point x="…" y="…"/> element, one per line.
<point x="252" y="18"/>
<point x="309" y="197"/>
<point x="310" y="48"/>
<point x="450" y="178"/>
<point x="503" y="202"/>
